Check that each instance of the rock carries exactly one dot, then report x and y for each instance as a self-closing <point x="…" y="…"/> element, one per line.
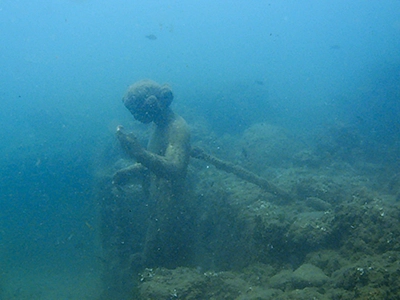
<point x="266" y="145"/>
<point x="317" y="204"/>
<point x="281" y="280"/>
<point x="308" y="275"/>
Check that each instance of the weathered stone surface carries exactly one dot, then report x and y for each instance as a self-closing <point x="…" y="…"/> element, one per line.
<point x="308" y="275"/>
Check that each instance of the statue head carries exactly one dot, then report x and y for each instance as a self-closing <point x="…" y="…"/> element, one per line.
<point x="147" y="100"/>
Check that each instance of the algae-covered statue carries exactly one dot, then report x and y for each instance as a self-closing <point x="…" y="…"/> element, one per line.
<point x="162" y="167"/>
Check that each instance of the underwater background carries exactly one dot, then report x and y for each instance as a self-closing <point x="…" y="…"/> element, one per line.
<point x="303" y="93"/>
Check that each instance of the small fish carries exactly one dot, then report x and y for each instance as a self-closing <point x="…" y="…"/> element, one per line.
<point x="88" y="225"/>
<point x="151" y="37"/>
<point x="245" y="153"/>
<point x="38" y="162"/>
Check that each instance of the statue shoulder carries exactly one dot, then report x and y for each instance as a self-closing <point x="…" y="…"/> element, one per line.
<point x="179" y="130"/>
<point x="180" y="124"/>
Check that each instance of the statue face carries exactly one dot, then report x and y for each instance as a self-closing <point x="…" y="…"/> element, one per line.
<point x="144" y="110"/>
<point x="146" y="100"/>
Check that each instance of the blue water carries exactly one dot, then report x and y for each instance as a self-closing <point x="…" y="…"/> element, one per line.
<point x="66" y="64"/>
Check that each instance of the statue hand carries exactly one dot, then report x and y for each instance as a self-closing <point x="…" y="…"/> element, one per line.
<point x="129" y="142"/>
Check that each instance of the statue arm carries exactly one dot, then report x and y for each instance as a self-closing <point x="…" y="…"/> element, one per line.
<point x="175" y="161"/>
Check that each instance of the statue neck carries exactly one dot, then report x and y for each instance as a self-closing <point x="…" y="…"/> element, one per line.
<point x="164" y="118"/>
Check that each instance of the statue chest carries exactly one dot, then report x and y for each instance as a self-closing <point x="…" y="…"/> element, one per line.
<point x="158" y="142"/>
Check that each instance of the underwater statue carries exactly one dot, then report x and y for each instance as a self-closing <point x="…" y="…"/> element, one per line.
<point x="162" y="168"/>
